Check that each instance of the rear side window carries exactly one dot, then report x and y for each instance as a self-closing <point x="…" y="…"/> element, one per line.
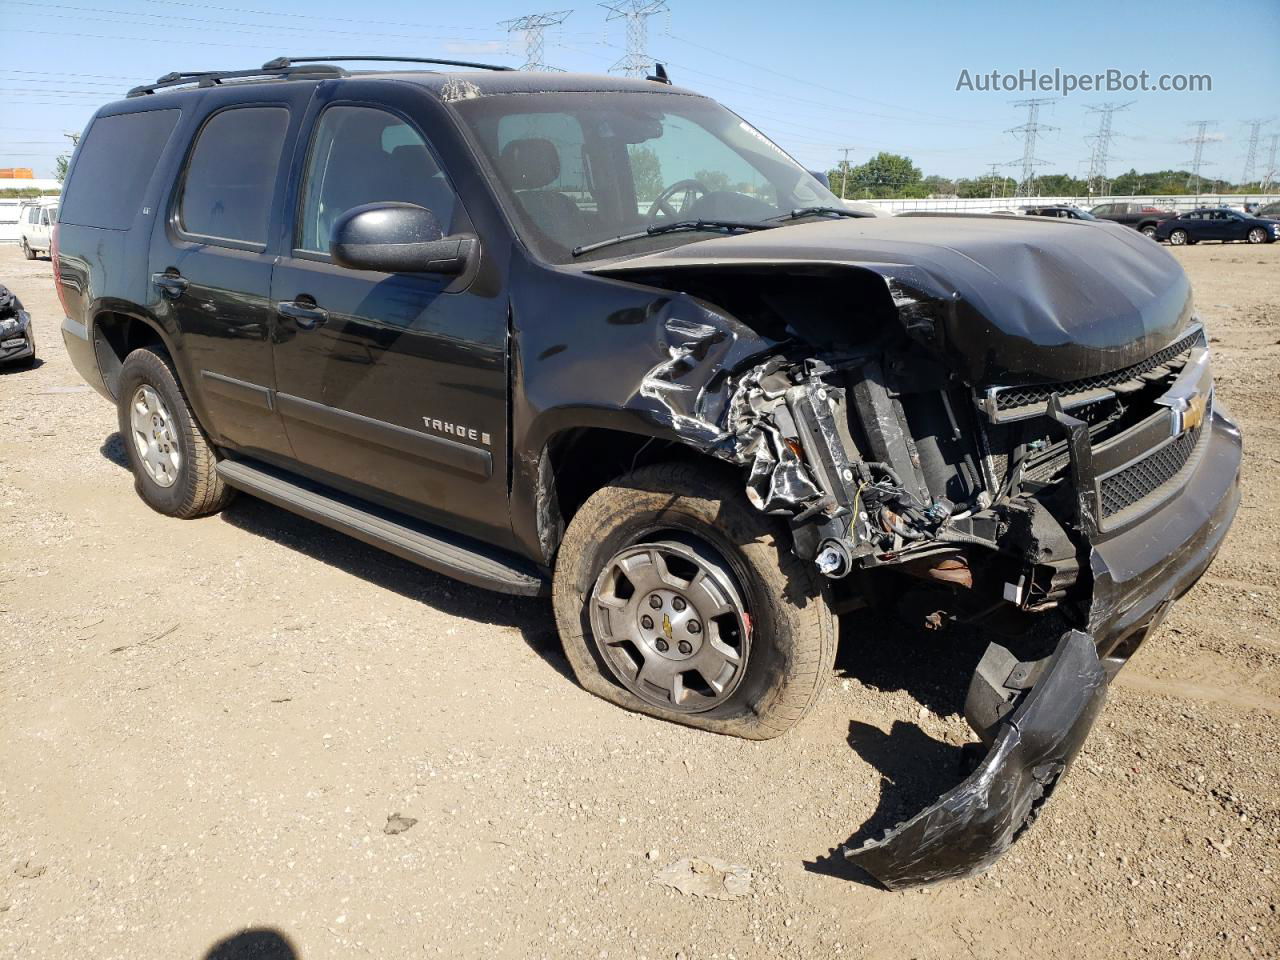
<point x="111" y="172"/>
<point x="232" y="173"/>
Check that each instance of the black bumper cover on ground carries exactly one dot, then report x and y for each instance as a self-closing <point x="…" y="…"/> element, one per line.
<point x="975" y="822"/>
<point x="1136" y="577"/>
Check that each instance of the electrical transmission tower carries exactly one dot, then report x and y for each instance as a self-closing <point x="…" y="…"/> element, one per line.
<point x="1200" y="139"/>
<point x="1029" y="132"/>
<point x="1101" y="140"/>
<point x="532" y="26"/>
<point x="637" y="62"/>
<point x="1269" y="177"/>
<point x="1251" y="155"/>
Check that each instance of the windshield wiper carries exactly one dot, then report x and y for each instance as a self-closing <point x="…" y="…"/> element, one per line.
<point x="814" y="211"/>
<point x="679" y="225"/>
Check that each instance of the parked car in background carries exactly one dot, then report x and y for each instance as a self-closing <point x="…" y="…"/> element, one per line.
<point x="35" y="226"/>
<point x="1217" y="224"/>
<point x="1060" y="210"/>
<point x="1271" y="210"/>
<point x="17" y="342"/>
<point x="1142" y="217"/>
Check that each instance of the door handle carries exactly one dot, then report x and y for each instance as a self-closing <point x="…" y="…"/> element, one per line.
<point x="306" y="315"/>
<point x="172" y="285"/>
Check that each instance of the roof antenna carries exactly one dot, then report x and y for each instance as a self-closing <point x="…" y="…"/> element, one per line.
<point x="659" y="75"/>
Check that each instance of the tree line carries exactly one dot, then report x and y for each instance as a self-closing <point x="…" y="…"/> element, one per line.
<point x="891" y="176"/>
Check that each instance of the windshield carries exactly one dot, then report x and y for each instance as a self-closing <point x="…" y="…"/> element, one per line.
<point x="575" y="169"/>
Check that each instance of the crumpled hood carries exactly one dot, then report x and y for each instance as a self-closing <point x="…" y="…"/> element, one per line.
<point x="1003" y="299"/>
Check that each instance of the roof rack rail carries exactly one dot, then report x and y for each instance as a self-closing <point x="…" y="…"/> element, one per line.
<point x="282" y="62"/>
<point x="211" y="78"/>
<point x="295" y="68"/>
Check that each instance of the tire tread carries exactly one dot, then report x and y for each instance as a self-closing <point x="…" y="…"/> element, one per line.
<point x="803" y="676"/>
<point x="205" y="491"/>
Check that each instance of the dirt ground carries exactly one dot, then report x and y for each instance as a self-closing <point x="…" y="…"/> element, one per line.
<point x="205" y="726"/>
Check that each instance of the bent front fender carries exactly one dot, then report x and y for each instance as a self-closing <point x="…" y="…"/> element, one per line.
<point x="973" y="824"/>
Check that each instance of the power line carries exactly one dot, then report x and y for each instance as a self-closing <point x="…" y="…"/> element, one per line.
<point x="637" y="13"/>
<point x="1097" y="178"/>
<point x="533" y="25"/>
<point x="169" y="21"/>
<point x="1030" y="131"/>
<point x="62" y="73"/>
<point x="1200" y="139"/>
<point x="324" y="19"/>
<point x="757" y="67"/>
<point x="737" y="85"/>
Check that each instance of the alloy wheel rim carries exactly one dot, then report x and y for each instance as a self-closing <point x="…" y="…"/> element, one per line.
<point x="155" y="437"/>
<point x="1178" y="238"/>
<point x="1256" y="235"/>
<point x="670" y="623"/>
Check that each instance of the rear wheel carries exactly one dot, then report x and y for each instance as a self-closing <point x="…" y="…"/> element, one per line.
<point x="1179" y="238"/>
<point x="1149" y="230"/>
<point x="1258" y="235"/>
<point x="172" y="460"/>
<point x="676" y="598"/>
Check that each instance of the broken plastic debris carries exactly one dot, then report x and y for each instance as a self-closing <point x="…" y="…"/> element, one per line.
<point x="398" y="824"/>
<point x="706" y="877"/>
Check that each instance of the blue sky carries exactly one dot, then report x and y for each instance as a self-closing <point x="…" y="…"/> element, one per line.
<point x="816" y="76"/>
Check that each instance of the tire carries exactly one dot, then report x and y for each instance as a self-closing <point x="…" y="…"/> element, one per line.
<point x="1258" y="235"/>
<point x="1179" y="238"/>
<point x="194" y="488"/>
<point x="27" y="252"/>
<point x="790" y="634"/>
<point x="1148" y="231"/>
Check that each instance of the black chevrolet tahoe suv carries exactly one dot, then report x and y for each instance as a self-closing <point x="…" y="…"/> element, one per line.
<point x="602" y="338"/>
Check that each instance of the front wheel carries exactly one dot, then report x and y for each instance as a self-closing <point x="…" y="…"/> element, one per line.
<point x="27" y="252"/>
<point x="1178" y="238"/>
<point x="1149" y="231"/>
<point x="675" y="598"/>
<point x="174" y="465"/>
<point x="1258" y="235"/>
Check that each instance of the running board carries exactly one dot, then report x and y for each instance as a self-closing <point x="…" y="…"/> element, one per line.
<point x="414" y="540"/>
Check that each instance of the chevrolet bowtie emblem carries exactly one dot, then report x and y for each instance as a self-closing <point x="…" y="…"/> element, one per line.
<point x="1193" y="416"/>
<point x="666" y="626"/>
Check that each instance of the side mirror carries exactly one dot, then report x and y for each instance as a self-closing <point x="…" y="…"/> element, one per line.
<point x="397" y="238"/>
<point x="821" y="177"/>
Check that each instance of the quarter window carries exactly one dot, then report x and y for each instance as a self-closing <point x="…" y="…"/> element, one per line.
<point x="231" y="177"/>
<point x="113" y="166"/>
<point x="364" y="155"/>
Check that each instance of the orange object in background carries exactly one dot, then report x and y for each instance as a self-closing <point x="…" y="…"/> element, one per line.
<point x="16" y="173"/>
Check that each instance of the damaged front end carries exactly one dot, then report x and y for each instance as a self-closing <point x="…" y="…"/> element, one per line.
<point x="1086" y="505"/>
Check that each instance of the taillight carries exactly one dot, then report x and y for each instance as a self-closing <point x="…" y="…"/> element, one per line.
<point x="57" y="271"/>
